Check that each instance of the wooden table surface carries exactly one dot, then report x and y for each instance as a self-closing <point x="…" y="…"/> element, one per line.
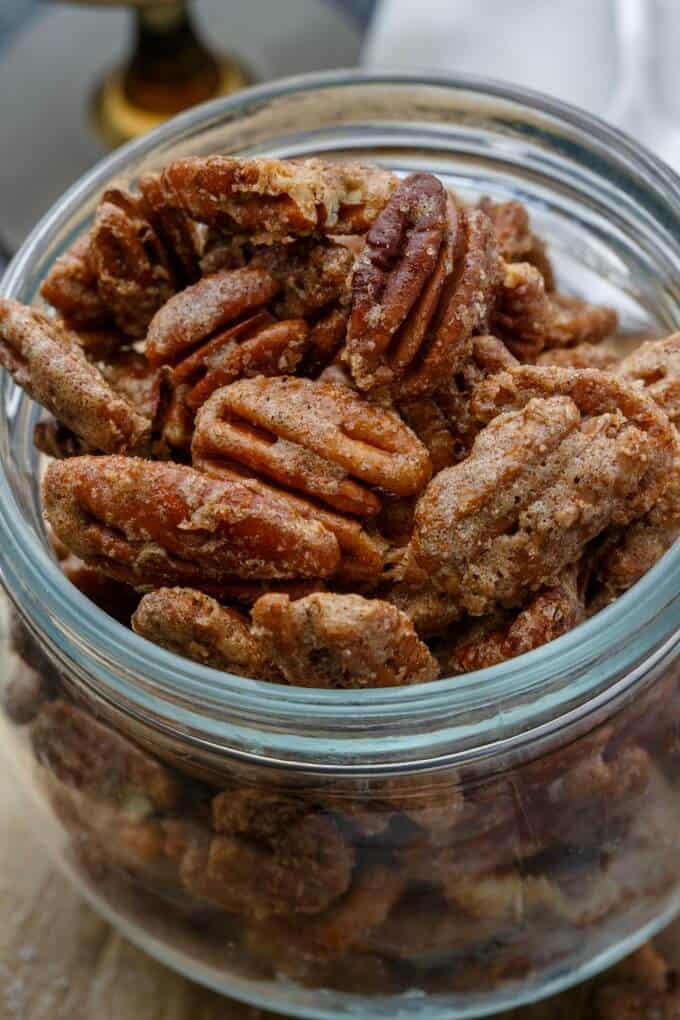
<point x="60" y="961"/>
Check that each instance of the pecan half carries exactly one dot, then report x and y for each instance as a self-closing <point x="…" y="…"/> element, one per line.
<point x="71" y="287"/>
<point x="314" y="436"/>
<point x="515" y="238"/>
<point x="272" y="199"/>
<point x="196" y="626"/>
<point x="395" y="289"/>
<point x="581" y="452"/>
<point x="341" y="641"/>
<point x="176" y="231"/>
<point x="47" y="362"/>
<point x="655" y="365"/>
<point x="194" y="314"/>
<point x="134" y="276"/>
<point x="90" y="757"/>
<point x="552" y="612"/>
<point x="531" y="320"/>
<point x="152" y="524"/>
<point x="362" y="555"/>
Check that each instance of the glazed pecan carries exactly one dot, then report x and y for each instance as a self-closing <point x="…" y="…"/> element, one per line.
<point x="314" y="275"/>
<point x="341" y="641"/>
<point x="325" y="343"/>
<point x="255" y="346"/>
<point x="581" y="356"/>
<point x="47" y="362"/>
<point x="58" y="441"/>
<point x="271" y="199"/>
<point x="178" y="234"/>
<point x="576" y="452"/>
<point x="314" y="436"/>
<point x="398" y="280"/>
<point x="553" y="611"/>
<point x="134" y="275"/>
<point x="530" y="320"/>
<point x="656" y="366"/>
<point x="90" y="757"/>
<point x="196" y="626"/>
<point x="196" y="313"/>
<point x="152" y="524"/>
<point x="516" y="241"/>
<point x="71" y="287"/>
<point x="362" y="555"/>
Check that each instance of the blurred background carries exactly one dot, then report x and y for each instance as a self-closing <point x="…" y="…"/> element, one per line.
<point x="79" y="78"/>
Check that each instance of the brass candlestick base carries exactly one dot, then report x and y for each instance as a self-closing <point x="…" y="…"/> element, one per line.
<point x="170" y="70"/>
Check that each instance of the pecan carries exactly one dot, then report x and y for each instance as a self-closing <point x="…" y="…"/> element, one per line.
<point x="254" y="346"/>
<point x="643" y="987"/>
<point x="326" y="339"/>
<point x="115" y="598"/>
<point x="427" y="420"/>
<point x="152" y="524"/>
<point x="582" y="451"/>
<point x="46" y="361"/>
<point x="198" y="627"/>
<point x="530" y="320"/>
<point x="90" y="757"/>
<point x="134" y="275"/>
<point x="58" y="441"/>
<point x="178" y="234"/>
<point x="361" y="553"/>
<point x="299" y="870"/>
<point x="172" y="425"/>
<point x="221" y="251"/>
<point x="430" y="610"/>
<point x="581" y="356"/>
<point x="553" y="611"/>
<point x="272" y="199"/>
<point x="656" y="366"/>
<point x="194" y="314"/>
<point x="399" y="279"/>
<point x="341" y="641"/>
<point x="313" y="275"/>
<point x="515" y="239"/>
<point x="314" y="436"/>
<point x="131" y="376"/>
<point x="71" y="287"/>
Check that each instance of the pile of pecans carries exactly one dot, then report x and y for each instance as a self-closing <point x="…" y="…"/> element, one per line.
<point x="350" y="404"/>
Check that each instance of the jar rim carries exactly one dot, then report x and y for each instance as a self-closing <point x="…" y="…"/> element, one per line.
<point x="519" y="699"/>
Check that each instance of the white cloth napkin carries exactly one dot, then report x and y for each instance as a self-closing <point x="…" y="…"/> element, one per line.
<point x="567" y="48"/>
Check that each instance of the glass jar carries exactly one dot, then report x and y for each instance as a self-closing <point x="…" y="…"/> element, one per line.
<point x="437" y="851"/>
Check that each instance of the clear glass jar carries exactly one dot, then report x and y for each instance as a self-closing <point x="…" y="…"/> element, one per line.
<point x="437" y="851"/>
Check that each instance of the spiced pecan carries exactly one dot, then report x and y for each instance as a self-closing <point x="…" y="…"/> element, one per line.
<point x="255" y="346"/>
<point x="46" y="361"/>
<point x="314" y="436"/>
<point x="134" y="275"/>
<point x="553" y="611"/>
<point x="115" y="598"/>
<point x="271" y="199"/>
<point x="516" y="241"/>
<point x="196" y="626"/>
<point x="398" y="280"/>
<point x="326" y="339"/>
<point x="362" y="554"/>
<point x="178" y="234"/>
<point x="194" y="314"/>
<point x="71" y="287"/>
<point x="314" y="275"/>
<point x="580" y="452"/>
<point x="130" y="375"/>
<point x="58" y="441"/>
<point x="581" y="356"/>
<point x="153" y="524"/>
<point x="530" y="320"/>
<point x="88" y="756"/>
<point x="341" y="641"/>
<point x="655" y="365"/>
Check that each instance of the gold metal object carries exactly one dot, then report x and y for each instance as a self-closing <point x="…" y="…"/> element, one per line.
<point x="169" y="70"/>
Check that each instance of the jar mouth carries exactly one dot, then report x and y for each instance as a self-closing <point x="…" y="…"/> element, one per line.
<point x="441" y="721"/>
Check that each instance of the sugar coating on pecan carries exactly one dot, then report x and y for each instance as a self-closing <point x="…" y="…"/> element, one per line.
<point x="316" y="437"/>
<point x="314" y="275"/>
<point x="530" y="320"/>
<point x="582" y="451"/>
<point x="153" y="524"/>
<point x="341" y="641"/>
<point x="586" y="355"/>
<point x="47" y="362"/>
<point x="194" y="625"/>
<point x="97" y="761"/>
<point x="272" y="199"/>
<point x="134" y="275"/>
<point x="362" y="554"/>
<point x="129" y="373"/>
<point x="198" y="311"/>
<point x="553" y="611"/>
<point x="515" y="238"/>
<point x="71" y="287"/>
<point x="655" y="365"/>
